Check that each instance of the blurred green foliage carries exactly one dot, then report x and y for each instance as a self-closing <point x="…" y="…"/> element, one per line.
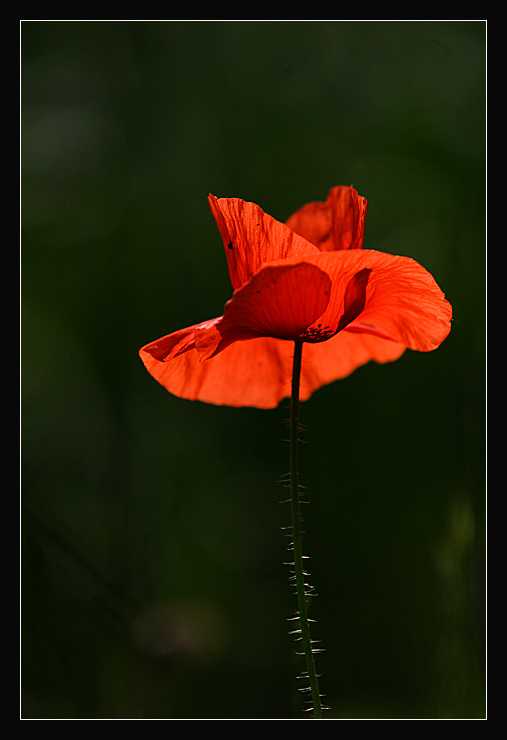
<point x="152" y="563"/>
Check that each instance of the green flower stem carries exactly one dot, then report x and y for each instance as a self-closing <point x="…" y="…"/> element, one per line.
<point x="299" y="573"/>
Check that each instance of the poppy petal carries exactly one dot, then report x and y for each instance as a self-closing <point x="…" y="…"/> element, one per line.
<point x="172" y="345"/>
<point x="404" y="302"/>
<point x="255" y="373"/>
<point x="342" y="355"/>
<point x="355" y="297"/>
<point x="384" y="295"/>
<point x="280" y="301"/>
<point x="252" y="237"/>
<point x="336" y="224"/>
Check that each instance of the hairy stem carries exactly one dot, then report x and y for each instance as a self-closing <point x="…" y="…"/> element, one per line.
<point x="299" y="573"/>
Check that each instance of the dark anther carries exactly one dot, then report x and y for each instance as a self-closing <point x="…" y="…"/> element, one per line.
<point x="317" y="333"/>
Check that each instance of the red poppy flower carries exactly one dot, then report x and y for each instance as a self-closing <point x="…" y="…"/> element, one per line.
<point x="308" y="280"/>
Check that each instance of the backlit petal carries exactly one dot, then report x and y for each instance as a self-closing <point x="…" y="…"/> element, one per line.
<point x="280" y="301"/>
<point x="334" y="225"/>
<point x="340" y="356"/>
<point x="399" y="299"/>
<point x="172" y="345"/>
<point x="252" y="237"/>
<point x="404" y="302"/>
<point x="255" y="373"/>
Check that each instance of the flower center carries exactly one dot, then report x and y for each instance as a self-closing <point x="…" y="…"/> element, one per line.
<point x="317" y="333"/>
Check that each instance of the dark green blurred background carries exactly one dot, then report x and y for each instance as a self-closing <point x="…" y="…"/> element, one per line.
<point x="152" y="572"/>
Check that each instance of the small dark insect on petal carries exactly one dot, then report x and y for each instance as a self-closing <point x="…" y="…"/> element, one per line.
<point x="230" y="245"/>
